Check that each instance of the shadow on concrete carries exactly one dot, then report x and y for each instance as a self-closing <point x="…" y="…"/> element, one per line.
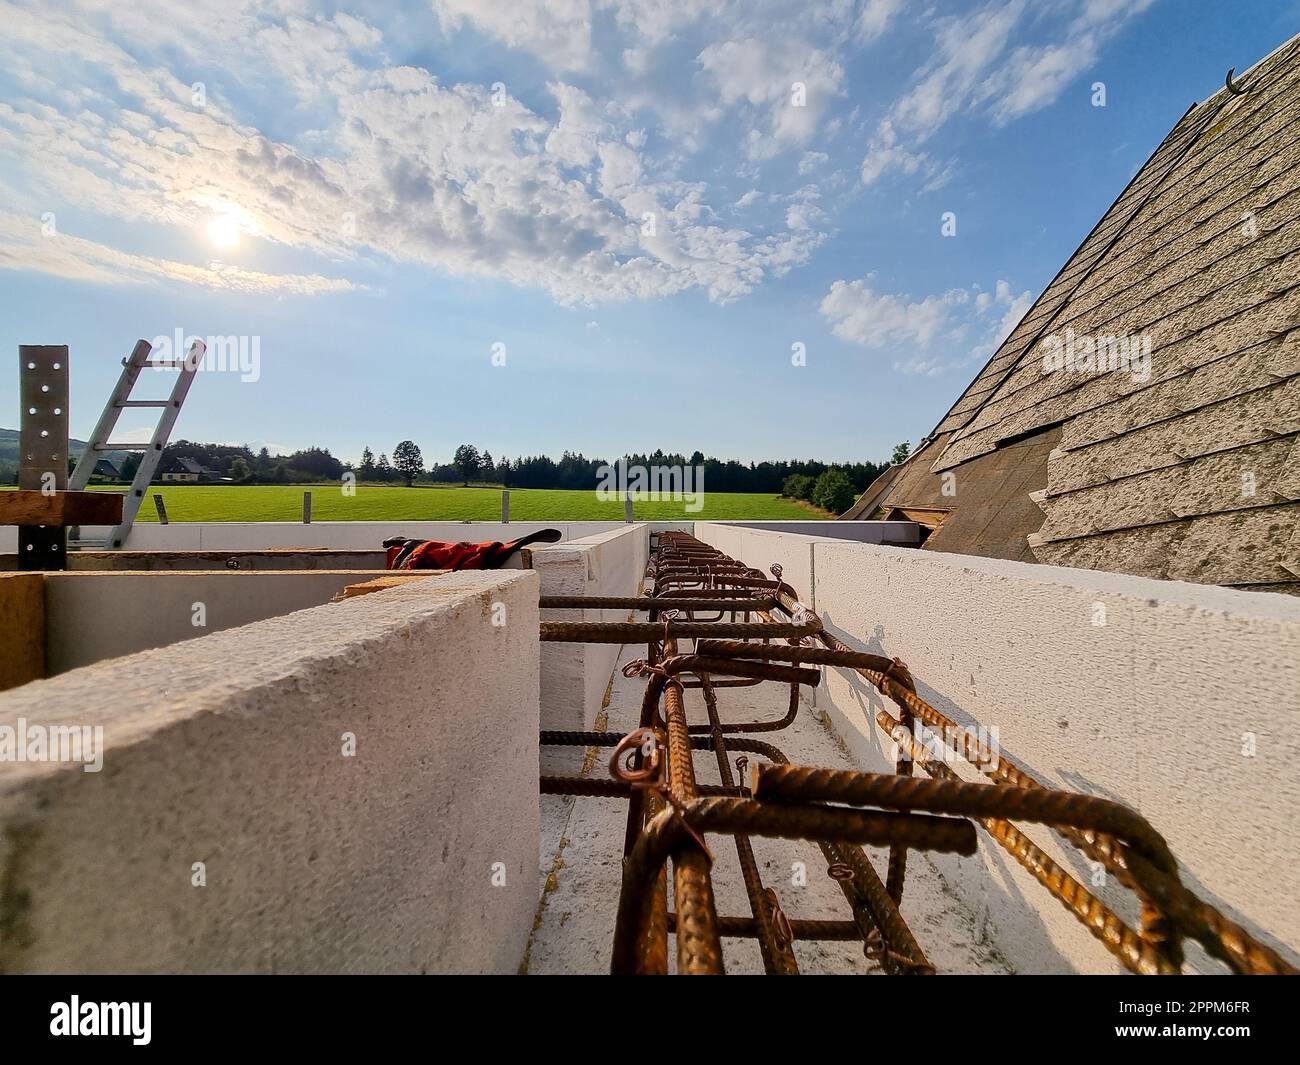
<point x="978" y="888"/>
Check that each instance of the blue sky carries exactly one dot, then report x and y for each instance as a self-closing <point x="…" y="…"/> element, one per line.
<point x="647" y="203"/>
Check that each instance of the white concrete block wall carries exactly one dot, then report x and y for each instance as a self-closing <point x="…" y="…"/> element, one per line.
<point x="575" y="676"/>
<point x="760" y="548"/>
<point x="1146" y="692"/>
<point x="231" y="754"/>
<point x="232" y="536"/>
<point x="91" y="616"/>
<point x="902" y="533"/>
<point x="354" y="535"/>
<point x="725" y="537"/>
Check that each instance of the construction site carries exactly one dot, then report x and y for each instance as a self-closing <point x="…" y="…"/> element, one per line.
<point x="845" y="754"/>
<point x="1042" y="723"/>
<point x="838" y="761"/>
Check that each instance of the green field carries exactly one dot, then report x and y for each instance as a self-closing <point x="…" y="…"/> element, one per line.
<point x="397" y="503"/>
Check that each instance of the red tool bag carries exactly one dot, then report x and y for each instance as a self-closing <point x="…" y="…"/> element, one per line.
<point x="405" y="553"/>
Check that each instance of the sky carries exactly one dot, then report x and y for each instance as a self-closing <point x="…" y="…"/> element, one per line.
<point x="762" y="230"/>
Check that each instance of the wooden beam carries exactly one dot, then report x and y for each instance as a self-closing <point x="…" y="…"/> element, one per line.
<point x="22" y="620"/>
<point x="60" y="508"/>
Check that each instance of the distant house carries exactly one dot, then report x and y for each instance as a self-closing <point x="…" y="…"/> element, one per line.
<point x="1144" y="416"/>
<point x="187" y="470"/>
<point x="104" y="468"/>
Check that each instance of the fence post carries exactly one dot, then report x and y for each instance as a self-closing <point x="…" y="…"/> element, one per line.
<point x="306" y="508"/>
<point x="505" y="507"/>
<point x="162" y="510"/>
<point x="627" y="508"/>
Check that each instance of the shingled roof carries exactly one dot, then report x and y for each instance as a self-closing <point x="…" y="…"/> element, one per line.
<point x="1190" y="471"/>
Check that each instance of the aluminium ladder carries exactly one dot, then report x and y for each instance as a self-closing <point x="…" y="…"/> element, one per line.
<point x="151" y="452"/>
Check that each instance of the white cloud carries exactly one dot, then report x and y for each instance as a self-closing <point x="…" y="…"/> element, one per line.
<point x="857" y="312"/>
<point x="924" y="333"/>
<point x="874" y="18"/>
<point x="558" y="29"/>
<point x="547" y="184"/>
<point x="574" y="139"/>
<point x="1035" y="75"/>
<point x="23" y="246"/>
<point x="1014" y="308"/>
<point x="789" y="83"/>
<point x="813" y="161"/>
<point x="460" y="178"/>
<point x="977" y="66"/>
<point x="883" y="153"/>
<point x="803" y="216"/>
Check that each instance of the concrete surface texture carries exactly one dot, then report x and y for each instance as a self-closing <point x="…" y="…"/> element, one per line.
<point x="348" y="788"/>
<point x="582" y="850"/>
<point x="92" y="616"/>
<point x="1179" y="700"/>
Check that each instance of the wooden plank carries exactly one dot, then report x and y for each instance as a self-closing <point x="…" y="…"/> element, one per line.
<point x="382" y="584"/>
<point x="22" y="620"/>
<point x="60" y="508"/>
<point x="277" y="559"/>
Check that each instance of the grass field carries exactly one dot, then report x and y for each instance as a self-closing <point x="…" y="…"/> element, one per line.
<point x="397" y="503"/>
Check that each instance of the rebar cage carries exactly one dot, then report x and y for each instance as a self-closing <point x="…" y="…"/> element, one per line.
<point x="747" y="630"/>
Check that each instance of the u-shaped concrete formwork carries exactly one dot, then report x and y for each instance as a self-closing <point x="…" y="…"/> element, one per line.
<point x="348" y="788"/>
<point x="1179" y="700"/>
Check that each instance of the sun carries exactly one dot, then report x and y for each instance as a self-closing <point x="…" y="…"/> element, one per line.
<point x="223" y="231"/>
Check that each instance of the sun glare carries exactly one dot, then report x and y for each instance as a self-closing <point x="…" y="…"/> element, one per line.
<point x="223" y="231"/>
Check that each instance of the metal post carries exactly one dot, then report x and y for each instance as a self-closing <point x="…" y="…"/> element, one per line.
<point x="162" y="510"/>
<point x="627" y="509"/>
<point x="43" y="447"/>
<point x="505" y="508"/>
<point x="306" y="508"/>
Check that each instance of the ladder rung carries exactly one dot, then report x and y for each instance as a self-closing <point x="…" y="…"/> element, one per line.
<point x="165" y="364"/>
<point x="122" y="447"/>
<point x="144" y="403"/>
<point x="88" y="543"/>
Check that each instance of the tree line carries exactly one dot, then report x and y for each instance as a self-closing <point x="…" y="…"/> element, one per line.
<point x="825" y="484"/>
<point x="240" y="464"/>
<point x="574" y="471"/>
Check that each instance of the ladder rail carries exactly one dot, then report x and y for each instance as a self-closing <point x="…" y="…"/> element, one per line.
<point x="131" y="367"/>
<point x="162" y="433"/>
<point x="151" y="453"/>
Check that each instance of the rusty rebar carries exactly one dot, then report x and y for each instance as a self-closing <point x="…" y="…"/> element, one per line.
<point x="670" y="814"/>
<point x="747" y="928"/>
<point x="699" y="950"/>
<point x="642" y="632"/>
<point x="682" y="602"/>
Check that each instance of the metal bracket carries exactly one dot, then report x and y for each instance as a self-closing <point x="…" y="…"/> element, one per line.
<point x="43" y="447"/>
